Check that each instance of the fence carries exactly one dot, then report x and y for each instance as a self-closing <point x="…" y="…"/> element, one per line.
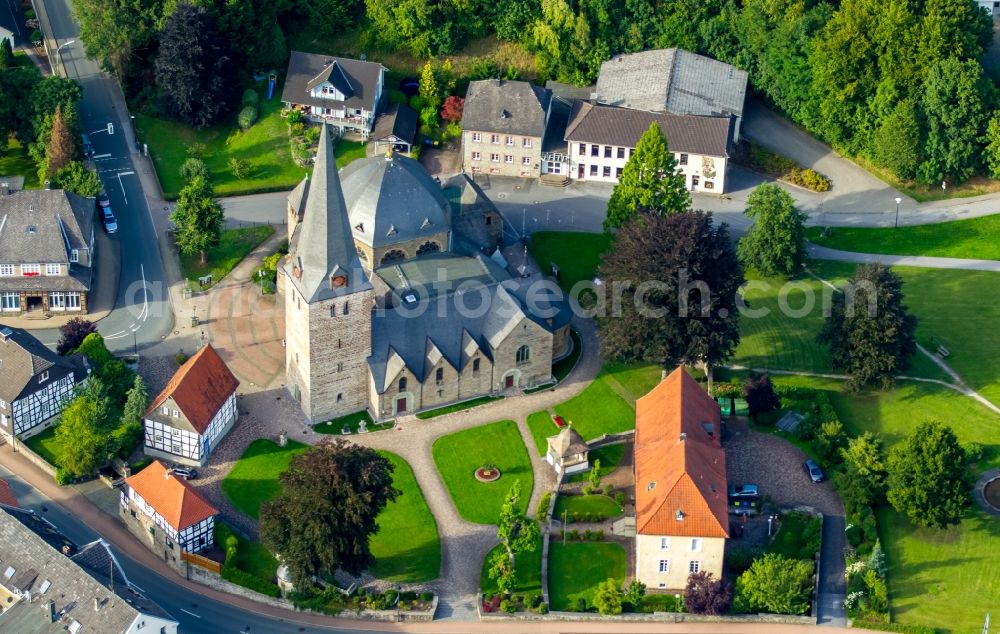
<point x="204" y="562"/>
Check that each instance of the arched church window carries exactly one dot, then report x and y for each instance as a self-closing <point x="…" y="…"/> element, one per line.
<point x="402" y="384"/>
<point x="523" y="354"/>
<point x="428" y="247"/>
<point x="393" y="256"/>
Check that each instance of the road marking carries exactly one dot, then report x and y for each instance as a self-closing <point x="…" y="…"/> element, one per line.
<point x="191" y="613"/>
<point x="143" y="314"/>
<point x="100" y="156"/>
<point x="122" y="185"/>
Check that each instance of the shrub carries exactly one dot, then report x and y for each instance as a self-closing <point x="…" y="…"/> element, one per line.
<point x="72" y="334"/>
<point x="740" y="559"/>
<point x="508" y="606"/>
<point x="253" y="582"/>
<point x="608" y="598"/>
<point x="607" y="489"/>
<point x="973" y="451"/>
<point x="587" y="489"/>
<point x="599" y="535"/>
<point x="36" y="36"/>
<point x="294" y="116"/>
<point x="29" y="14"/>
<point x="193" y="167"/>
<point x="542" y="512"/>
<point x="408" y="595"/>
<point x="391" y="596"/>
<point x="574" y="535"/>
<point x="196" y="150"/>
<point x="311" y="135"/>
<point x="297" y="129"/>
<point x="426" y="596"/>
<point x="586" y="535"/>
<point x="63" y="478"/>
<point x="247" y="117"/>
<point x="180" y="358"/>
<point x="250" y="97"/>
<point x="542" y="608"/>
<point x="620" y="498"/>
<point x="241" y="168"/>
<point x="581" y="605"/>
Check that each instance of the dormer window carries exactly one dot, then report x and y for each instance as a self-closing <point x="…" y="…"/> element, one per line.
<point x="360" y="227"/>
<point x="43" y="377"/>
<point x="679" y="515"/>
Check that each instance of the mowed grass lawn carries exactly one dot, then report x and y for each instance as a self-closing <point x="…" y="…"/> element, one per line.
<point x="580" y="505"/>
<point x="973" y="238"/>
<point x="234" y="245"/>
<point x="458" y="455"/>
<point x="576" y="568"/>
<point x="576" y="254"/>
<point x="610" y="457"/>
<point x="407" y="548"/>
<point x="253" y="480"/>
<point x="266" y="145"/>
<point x="541" y="426"/>
<point x="527" y="571"/>
<point x="14" y="161"/>
<point x="45" y="445"/>
<point x="607" y="405"/>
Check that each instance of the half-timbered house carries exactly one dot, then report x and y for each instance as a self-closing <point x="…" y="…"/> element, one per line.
<point x="34" y="383"/>
<point x="194" y="412"/>
<point x="166" y="513"/>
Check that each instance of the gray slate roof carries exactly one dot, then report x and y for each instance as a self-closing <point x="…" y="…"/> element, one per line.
<point x="22" y="358"/>
<point x="608" y="125"/>
<point x="567" y="443"/>
<point x="324" y="248"/>
<point x="506" y="107"/>
<point x="307" y="70"/>
<point x="398" y="120"/>
<point x="11" y="183"/>
<point x="39" y="226"/>
<point x="392" y="200"/>
<point x="672" y="80"/>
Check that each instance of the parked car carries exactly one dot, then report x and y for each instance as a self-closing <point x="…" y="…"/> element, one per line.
<point x="743" y="490"/>
<point x="108" y="217"/>
<point x="813" y="471"/>
<point x="88" y="148"/>
<point x="103" y="200"/>
<point x="184" y="472"/>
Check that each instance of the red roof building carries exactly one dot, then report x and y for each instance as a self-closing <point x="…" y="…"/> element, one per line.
<point x="7" y="495"/>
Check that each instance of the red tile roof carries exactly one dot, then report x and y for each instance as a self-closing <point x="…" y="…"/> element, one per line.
<point x="200" y="387"/>
<point x="172" y="497"/>
<point x="680" y="469"/>
<point x="6" y="495"/>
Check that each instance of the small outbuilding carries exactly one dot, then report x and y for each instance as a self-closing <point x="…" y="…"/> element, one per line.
<point x="395" y="129"/>
<point x="567" y="451"/>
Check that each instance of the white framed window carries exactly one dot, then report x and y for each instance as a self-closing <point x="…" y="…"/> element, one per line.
<point x="57" y="300"/>
<point x="696" y="544"/>
<point x="682" y="159"/>
<point x="176" y="414"/>
<point x="74" y="256"/>
<point x="10" y="301"/>
<point x="526" y="142"/>
<point x="526" y="160"/>
<point x="508" y="158"/>
<point x="31" y="269"/>
<point x="6" y="270"/>
<point x="694" y="566"/>
<point x="510" y="141"/>
<point x="664" y="543"/>
<point x="166" y="411"/>
<point x="72" y="300"/>
<point x="53" y="269"/>
<point x="477" y="137"/>
<point x="476" y="156"/>
<point x="495" y="139"/>
<point x="494" y="157"/>
<point x="43" y="377"/>
<point x="3" y="404"/>
<point x="665" y="566"/>
<point x="582" y="149"/>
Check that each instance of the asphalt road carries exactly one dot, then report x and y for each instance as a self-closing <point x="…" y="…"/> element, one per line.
<point x="142" y="313"/>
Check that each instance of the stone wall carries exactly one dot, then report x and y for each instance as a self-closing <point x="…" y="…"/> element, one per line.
<point x="655" y="617"/>
<point x="33" y="457"/>
<point x="501" y="168"/>
<point x="538" y="369"/>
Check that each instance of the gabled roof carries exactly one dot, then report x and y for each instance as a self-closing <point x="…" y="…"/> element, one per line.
<point x="608" y="125"/>
<point x="508" y="107"/>
<point x="357" y="80"/>
<point x="398" y="120"/>
<point x="7" y="495"/>
<point x="200" y="388"/>
<point x="568" y="442"/>
<point x="324" y="251"/>
<point x="173" y="498"/>
<point x="680" y="468"/>
<point x="22" y="358"/>
<point x="42" y="225"/>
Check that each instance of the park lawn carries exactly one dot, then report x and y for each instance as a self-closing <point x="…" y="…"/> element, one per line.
<point x="576" y="254"/>
<point x="234" y="245"/>
<point x="527" y="571"/>
<point x="576" y="568"/>
<point x="580" y="505"/>
<point x="973" y="238"/>
<point x="610" y="457"/>
<point x="541" y="426"/>
<point x="265" y="145"/>
<point x="253" y="480"/>
<point x="458" y="455"/>
<point x="45" y="445"/>
<point x="406" y="548"/>
<point x="14" y="161"/>
<point x="597" y="410"/>
<point x="631" y="381"/>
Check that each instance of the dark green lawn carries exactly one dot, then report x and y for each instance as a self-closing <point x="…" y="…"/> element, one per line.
<point x="581" y="505"/>
<point x="457" y="407"/>
<point x="527" y="571"/>
<point x="576" y="568"/>
<point x="458" y="455"/>
<point x="596" y="410"/>
<point x="970" y="238"/>
<point x="45" y="445"/>
<point x="576" y="254"/>
<point x="347" y="151"/>
<point x="252" y="557"/>
<point x="609" y="455"/>
<point x="234" y="245"/>
<point x="541" y="426"/>
<point x="253" y="480"/>
<point x="798" y="536"/>
<point x="407" y="548"/>
<point x="353" y="421"/>
<point x="14" y="161"/>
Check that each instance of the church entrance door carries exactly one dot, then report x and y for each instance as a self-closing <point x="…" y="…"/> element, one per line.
<point x="508" y="382"/>
<point x="400" y="405"/>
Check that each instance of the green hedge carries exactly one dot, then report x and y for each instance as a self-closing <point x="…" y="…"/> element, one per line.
<point x="875" y="624"/>
<point x="250" y="581"/>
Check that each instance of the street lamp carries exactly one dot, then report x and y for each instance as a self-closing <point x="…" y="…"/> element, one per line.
<point x="898" y="200"/>
<point x="59" y="54"/>
<point x="135" y="344"/>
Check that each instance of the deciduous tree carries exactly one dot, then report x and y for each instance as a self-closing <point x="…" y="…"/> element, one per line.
<point x="608" y="597"/>
<point x="517" y="532"/>
<point x="775" y="244"/>
<point x="452" y="108"/>
<point x="707" y="595"/>
<point x="198" y="218"/>
<point x="868" y="331"/>
<point x="76" y="178"/>
<point x="758" y="391"/>
<point x="72" y="334"/>
<point x="326" y="512"/>
<point x="952" y="102"/>
<point x="113" y="29"/>
<point x="928" y="478"/>
<point x="649" y="183"/>
<point x="863" y="479"/>
<point x="775" y="583"/>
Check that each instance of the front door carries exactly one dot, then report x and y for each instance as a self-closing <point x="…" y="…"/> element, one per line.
<point x="400" y="405"/>
<point x="34" y="302"/>
<point x="581" y="172"/>
<point x="694" y="181"/>
<point x="508" y="382"/>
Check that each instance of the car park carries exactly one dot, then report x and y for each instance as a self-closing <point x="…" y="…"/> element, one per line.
<point x="109" y="220"/>
<point x="813" y="471"/>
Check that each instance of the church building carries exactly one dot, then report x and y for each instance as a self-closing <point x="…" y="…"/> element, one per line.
<point x="398" y="298"/>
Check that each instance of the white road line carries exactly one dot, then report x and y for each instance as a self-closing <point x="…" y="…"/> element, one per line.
<point x="191" y="613"/>
<point x="122" y="185"/>
<point x="100" y="156"/>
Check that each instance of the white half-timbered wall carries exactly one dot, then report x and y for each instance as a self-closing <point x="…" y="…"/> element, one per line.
<point x="188" y="444"/>
<point x="191" y="539"/>
<point x="221" y="421"/>
<point x="41" y="405"/>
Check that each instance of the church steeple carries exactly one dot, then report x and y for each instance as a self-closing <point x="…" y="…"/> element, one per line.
<point x="324" y="263"/>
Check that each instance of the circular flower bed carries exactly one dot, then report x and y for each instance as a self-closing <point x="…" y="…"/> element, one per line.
<point x="992" y="493"/>
<point x="488" y="473"/>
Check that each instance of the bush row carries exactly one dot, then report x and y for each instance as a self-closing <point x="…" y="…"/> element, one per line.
<point x="586" y="536"/>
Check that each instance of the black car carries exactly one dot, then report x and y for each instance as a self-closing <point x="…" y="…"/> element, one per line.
<point x="103" y="200"/>
<point x="813" y="471"/>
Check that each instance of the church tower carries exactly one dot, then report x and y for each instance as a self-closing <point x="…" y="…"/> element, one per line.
<point x="328" y="302"/>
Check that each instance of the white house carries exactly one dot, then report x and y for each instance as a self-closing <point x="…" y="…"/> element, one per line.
<point x="346" y="93"/>
<point x="194" y="412"/>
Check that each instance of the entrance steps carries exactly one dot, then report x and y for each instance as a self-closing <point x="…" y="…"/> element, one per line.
<point x="554" y="180"/>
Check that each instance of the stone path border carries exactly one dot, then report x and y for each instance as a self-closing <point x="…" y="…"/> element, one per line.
<point x="979" y="491"/>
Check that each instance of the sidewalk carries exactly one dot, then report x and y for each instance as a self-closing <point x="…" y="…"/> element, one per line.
<point x="962" y="264"/>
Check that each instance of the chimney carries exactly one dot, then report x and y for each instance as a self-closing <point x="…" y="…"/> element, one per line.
<point x="50" y="608"/>
<point x="48" y="185"/>
<point x="682" y="437"/>
<point x="97" y="605"/>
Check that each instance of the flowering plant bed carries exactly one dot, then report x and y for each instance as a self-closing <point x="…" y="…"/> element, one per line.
<point x="488" y="473"/>
<point x="559" y="421"/>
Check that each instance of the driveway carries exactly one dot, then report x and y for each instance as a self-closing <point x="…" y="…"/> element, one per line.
<point x="775" y="465"/>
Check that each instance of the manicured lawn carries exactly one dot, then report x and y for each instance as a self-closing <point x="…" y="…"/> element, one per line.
<point x="253" y="480"/>
<point x="609" y="455"/>
<point x="597" y="410"/>
<point x="45" y="445"/>
<point x="457" y="407"/>
<point x="631" y="381"/>
<point x="14" y="161"/>
<point x="576" y="254"/>
<point x="265" y="145"/>
<point x="234" y="245"/>
<point x="971" y="238"/>
<point x="252" y="557"/>
<point x="353" y="421"/>
<point x="458" y="455"/>
<point x="527" y="572"/>
<point x="581" y="505"/>
<point x="798" y="537"/>
<point x="347" y="151"/>
<point x="541" y="426"/>
<point x="407" y="548"/>
<point x="575" y="569"/>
